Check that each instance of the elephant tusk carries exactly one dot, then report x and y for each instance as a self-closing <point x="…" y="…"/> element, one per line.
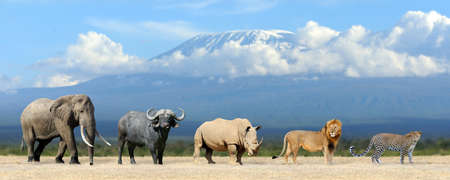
<point x="101" y="137"/>
<point x="84" y="137"/>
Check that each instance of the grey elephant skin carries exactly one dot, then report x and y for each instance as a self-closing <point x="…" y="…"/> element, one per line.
<point x="45" y="119"/>
<point x="235" y="136"/>
<point x="150" y="129"/>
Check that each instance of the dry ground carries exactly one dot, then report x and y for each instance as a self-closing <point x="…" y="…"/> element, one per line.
<point x="425" y="167"/>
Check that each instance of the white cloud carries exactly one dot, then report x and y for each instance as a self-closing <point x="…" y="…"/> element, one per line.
<point x="7" y="84"/>
<point x="58" y="80"/>
<point x="93" y="55"/>
<point x="421" y="33"/>
<point x="417" y="46"/>
<point x="155" y="29"/>
<point x="313" y="35"/>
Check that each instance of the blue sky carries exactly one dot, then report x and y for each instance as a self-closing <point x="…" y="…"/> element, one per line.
<point x="40" y="30"/>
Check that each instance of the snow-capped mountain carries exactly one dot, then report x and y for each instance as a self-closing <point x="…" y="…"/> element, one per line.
<point x="280" y="39"/>
<point x="270" y="85"/>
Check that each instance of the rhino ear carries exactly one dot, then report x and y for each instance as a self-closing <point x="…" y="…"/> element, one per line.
<point x="258" y="127"/>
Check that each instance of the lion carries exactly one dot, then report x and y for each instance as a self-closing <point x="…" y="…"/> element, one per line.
<point x="325" y="140"/>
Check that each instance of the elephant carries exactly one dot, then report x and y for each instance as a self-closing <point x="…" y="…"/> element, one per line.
<point x="45" y="119"/>
<point x="149" y="129"/>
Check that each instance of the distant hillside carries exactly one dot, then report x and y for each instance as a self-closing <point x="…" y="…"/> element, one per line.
<point x="273" y="101"/>
<point x="430" y="129"/>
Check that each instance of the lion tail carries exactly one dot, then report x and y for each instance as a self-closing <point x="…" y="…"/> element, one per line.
<point x="284" y="148"/>
<point x="362" y="154"/>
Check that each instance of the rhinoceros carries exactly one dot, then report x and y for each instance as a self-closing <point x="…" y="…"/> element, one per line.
<point x="235" y="136"/>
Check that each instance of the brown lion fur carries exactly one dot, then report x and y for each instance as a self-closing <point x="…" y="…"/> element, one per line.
<point x="313" y="141"/>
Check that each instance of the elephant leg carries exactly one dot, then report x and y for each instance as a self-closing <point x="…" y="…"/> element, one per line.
<point x="39" y="149"/>
<point x="131" y="148"/>
<point x="66" y="133"/>
<point x="30" y="149"/>
<point x="232" y="150"/>
<point x="28" y="137"/>
<point x="239" y="156"/>
<point x="121" y="144"/>
<point x="62" y="146"/>
<point x="153" y="153"/>
<point x="160" y="154"/>
<point x="208" y="155"/>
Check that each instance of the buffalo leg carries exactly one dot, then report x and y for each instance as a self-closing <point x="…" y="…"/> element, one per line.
<point x="232" y="150"/>
<point x="121" y="144"/>
<point x="39" y="149"/>
<point x="131" y="148"/>
<point x="153" y="153"/>
<point x="160" y="154"/>
<point x="62" y="146"/>
<point x="208" y="155"/>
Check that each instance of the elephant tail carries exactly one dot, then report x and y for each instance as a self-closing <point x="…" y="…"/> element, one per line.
<point x="284" y="148"/>
<point x="22" y="145"/>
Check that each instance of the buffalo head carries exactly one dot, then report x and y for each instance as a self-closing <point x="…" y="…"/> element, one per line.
<point x="164" y="118"/>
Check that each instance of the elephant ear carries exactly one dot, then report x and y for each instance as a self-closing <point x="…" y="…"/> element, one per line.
<point x="62" y="107"/>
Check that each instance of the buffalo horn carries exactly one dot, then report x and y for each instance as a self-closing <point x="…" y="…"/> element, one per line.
<point x="149" y="116"/>
<point x="182" y="115"/>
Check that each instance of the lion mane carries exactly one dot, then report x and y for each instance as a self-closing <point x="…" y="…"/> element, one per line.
<point x="332" y="141"/>
<point x="325" y="140"/>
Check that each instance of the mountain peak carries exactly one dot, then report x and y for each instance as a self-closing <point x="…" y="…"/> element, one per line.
<point x="211" y="41"/>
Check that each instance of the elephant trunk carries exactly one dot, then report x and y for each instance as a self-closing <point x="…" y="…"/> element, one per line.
<point x="91" y="138"/>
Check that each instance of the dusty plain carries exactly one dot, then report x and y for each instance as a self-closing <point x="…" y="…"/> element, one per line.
<point x="425" y="167"/>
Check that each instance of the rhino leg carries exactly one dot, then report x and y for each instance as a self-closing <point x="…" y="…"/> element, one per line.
<point x="197" y="149"/>
<point x="232" y="150"/>
<point x="208" y="155"/>
<point x="239" y="156"/>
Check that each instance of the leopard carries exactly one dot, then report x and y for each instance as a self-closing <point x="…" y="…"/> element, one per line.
<point x="404" y="144"/>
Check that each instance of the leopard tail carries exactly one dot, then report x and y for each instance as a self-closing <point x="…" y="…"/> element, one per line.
<point x="362" y="154"/>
